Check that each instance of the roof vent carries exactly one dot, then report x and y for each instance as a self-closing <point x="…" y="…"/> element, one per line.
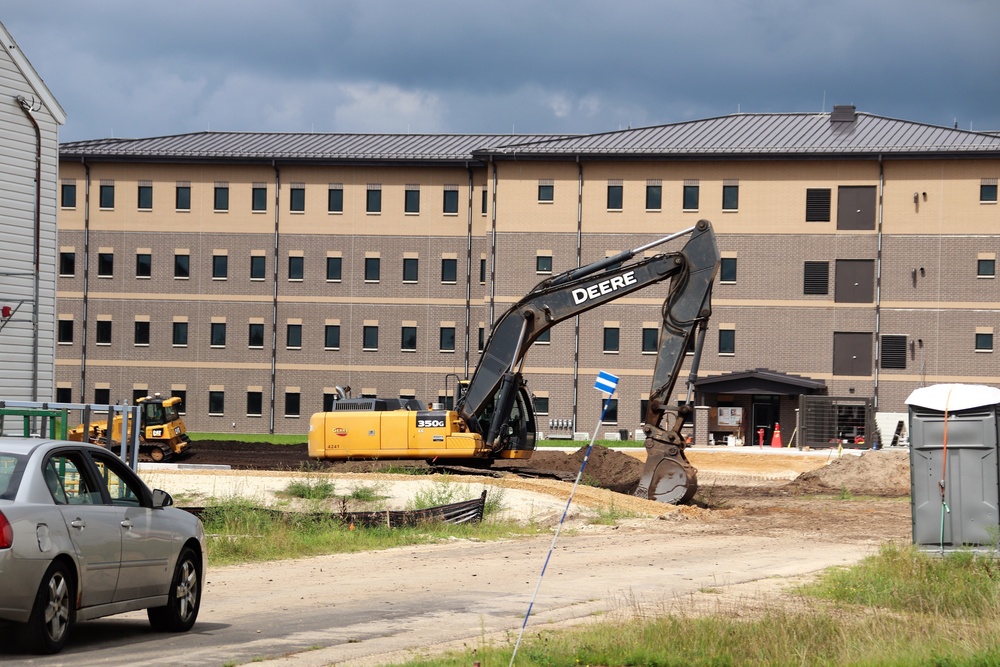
<point x="843" y="113"/>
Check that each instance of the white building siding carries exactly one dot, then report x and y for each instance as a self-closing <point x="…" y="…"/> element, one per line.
<point x="26" y="369"/>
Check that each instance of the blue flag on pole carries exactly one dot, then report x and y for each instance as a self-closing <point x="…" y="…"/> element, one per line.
<point x="606" y="382"/>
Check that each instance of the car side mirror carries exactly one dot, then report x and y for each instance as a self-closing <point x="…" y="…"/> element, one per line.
<point x="162" y="498"/>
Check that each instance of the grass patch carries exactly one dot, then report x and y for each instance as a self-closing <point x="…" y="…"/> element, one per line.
<point x="610" y="515"/>
<point x="270" y="438"/>
<point x="239" y="532"/>
<point x="312" y="489"/>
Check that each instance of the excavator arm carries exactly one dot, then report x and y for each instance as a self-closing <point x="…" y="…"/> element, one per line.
<point x="497" y="380"/>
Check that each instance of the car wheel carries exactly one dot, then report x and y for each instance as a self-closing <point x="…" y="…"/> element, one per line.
<point x="184" y="597"/>
<point x="53" y="612"/>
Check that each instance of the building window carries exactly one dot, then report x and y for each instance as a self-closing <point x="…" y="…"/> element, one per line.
<point x="258" y="266"/>
<point x="142" y="333"/>
<point x="143" y="265"/>
<point x="293" y="337"/>
<point x="411" y="199"/>
<point x="258" y="198"/>
<point x="296" y="267"/>
<point x="486" y="199"/>
<point x="333" y="268"/>
<point x="541" y="405"/>
<point x="331" y="337"/>
<point x="221" y="201"/>
<point x="984" y="342"/>
<point x="482" y="270"/>
<point x="182" y="266"/>
<point x="218" y="334"/>
<point x="67" y="264"/>
<point x="543" y="264"/>
<point x="64" y="394"/>
<point x="216" y="402"/>
<point x="449" y="270"/>
<point x="986" y="268"/>
<point x="727" y="270"/>
<point x="255" y="403"/>
<point x="615" y="195"/>
<point x="408" y="339"/>
<point x="482" y="339"/>
<point x="255" y="335"/>
<point x="220" y="267"/>
<point x="609" y="410"/>
<point x="650" y="339"/>
<point x="145" y="196"/>
<point x="182" y="197"/>
<point x="180" y="334"/>
<point x="730" y="197"/>
<point x="137" y="394"/>
<point x="544" y="338"/>
<point x="102" y="395"/>
<point x="410" y="269"/>
<point x="64" y="332"/>
<point x="292" y="403"/>
<point x="447" y="339"/>
<point x="335" y="198"/>
<point x="654" y="196"/>
<point x="373" y="200"/>
<point x="818" y="204"/>
<point x="373" y="269"/>
<point x="893" y="352"/>
<point x="691" y="194"/>
<point x="105" y="264"/>
<point x="68" y="195"/>
<point x="546" y="191"/>
<point x="103" y="332"/>
<point x="450" y="204"/>
<point x="988" y="191"/>
<point x="369" y="337"/>
<point x="816" y="279"/>
<point x="297" y="198"/>
<point x="727" y="341"/>
<point x="611" y="339"/>
<point x="181" y="394"/>
<point x="107" y="195"/>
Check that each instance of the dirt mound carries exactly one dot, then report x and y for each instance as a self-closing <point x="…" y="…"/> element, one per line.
<point x="877" y="473"/>
<point x="606" y="468"/>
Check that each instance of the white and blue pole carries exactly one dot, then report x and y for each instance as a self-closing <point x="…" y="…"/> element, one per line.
<point x="607" y="383"/>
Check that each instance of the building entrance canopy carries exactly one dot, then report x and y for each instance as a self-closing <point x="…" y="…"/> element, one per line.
<point x="760" y="381"/>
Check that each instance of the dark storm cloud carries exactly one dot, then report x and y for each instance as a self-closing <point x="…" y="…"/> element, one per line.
<point x="141" y="69"/>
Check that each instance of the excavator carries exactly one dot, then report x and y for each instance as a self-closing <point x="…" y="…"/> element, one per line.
<point x="493" y="419"/>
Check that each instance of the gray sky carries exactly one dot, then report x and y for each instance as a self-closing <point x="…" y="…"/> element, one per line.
<point x="137" y="68"/>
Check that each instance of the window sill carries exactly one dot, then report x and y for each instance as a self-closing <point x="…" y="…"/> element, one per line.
<point x="988" y="203"/>
<point x="371" y="282"/>
<point x="252" y="416"/>
<point x="291" y="416"/>
<point x="109" y="345"/>
<point x="410" y="282"/>
<point x="99" y="276"/>
<point x="333" y="280"/>
<point x="141" y="345"/>
<point x="335" y="212"/>
<point x="654" y="210"/>
<point x="217" y="347"/>
<point x="985" y="277"/>
<point x="369" y="349"/>
<point x="294" y="348"/>
<point x="373" y="212"/>
<point x="64" y="342"/>
<point x="182" y="278"/>
<point x="255" y="212"/>
<point x="406" y="350"/>
<point x="257" y="280"/>
<point x="252" y="347"/>
<point x="144" y="210"/>
<point x="450" y="282"/>
<point x="448" y="214"/>
<point x="730" y="210"/>
<point x="984" y="351"/>
<point x="143" y="277"/>
<point x="220" y="210"/>
<point x="297" y="212"/>
<point x="727" y="282"/>
<point x="331" y="349"/>
<point x="411" y="213"/>
<point x="220" y="279"/>
<point x="182" y="210"/>
<point x="545" y="201"/>
<point x="216" y="414"/>
<point x="179" y="345"/>
<point x="295" y="280"/>
<point x="67" y="275"/>
<point x="689" y="210"/>
<point x="612" y="351"/>
<point x="727" y="354"/>
<point x="447" y="351"/>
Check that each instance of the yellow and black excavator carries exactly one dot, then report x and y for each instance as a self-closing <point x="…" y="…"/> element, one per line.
<point x="494" y="418"/>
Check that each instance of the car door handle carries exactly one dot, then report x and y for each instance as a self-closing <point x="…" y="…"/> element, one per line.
<point x="127" y="524"/>
<point x="78" y="523"/>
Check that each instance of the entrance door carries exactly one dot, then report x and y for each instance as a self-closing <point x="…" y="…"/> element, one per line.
<point x="765" y="413"/>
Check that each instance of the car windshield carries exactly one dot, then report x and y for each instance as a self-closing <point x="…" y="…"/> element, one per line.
<point x="11" y="469"/>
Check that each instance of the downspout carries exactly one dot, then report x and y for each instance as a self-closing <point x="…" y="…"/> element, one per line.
<point x="86" y="280"/>
<point x="493" y="247"/>
<point x="274" y="298"/>
<point x="468" y="279"/>
<point x="579" y="262"/>
<point x="878" y="280"/>
<point x="30" y="113"/>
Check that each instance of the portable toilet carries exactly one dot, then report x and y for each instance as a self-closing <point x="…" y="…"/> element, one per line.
<point x="954" y="485"/>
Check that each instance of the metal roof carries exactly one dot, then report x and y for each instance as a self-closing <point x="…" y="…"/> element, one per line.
<point x="759" y="381"/>
<point x="765" y="135"/>
<point x="311" y="146"/>
<point x="737" y="136"/>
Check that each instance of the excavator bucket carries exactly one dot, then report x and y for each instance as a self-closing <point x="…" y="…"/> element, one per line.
<point x="667" y="476"/>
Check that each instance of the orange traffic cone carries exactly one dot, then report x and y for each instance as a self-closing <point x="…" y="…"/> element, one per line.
<point x="776" y="438"/>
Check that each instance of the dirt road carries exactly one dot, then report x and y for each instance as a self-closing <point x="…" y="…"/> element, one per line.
<point x="371" y="608"/>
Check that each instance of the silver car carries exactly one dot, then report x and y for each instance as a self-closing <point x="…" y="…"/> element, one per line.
<point x="82" y="537"/>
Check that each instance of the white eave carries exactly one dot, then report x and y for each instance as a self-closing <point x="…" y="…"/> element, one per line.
<point x="31" y="76"/>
